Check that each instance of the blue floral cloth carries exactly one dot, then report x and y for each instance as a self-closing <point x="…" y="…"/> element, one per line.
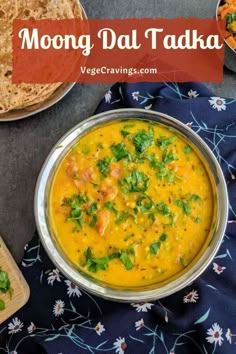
<point x="201" y="319"/>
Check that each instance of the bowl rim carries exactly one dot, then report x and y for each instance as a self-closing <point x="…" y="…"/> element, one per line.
<point x="56" y="154"/>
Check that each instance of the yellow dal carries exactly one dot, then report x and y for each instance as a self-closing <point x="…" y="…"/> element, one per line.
<point x="78" y="173"/>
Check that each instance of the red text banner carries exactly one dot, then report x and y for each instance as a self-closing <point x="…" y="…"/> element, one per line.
<point x="131" y="50"/>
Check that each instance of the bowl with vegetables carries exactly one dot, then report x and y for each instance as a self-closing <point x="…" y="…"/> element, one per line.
<point x="226" y="11"/>
<point x="131" y="205"/>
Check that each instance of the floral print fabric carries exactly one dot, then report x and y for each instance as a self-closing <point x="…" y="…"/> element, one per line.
<point x="60" y="318"/>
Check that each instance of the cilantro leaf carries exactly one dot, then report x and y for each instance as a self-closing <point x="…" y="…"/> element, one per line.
<point x="183" y="261"/>
<point x="92" y="209"/>
<point x="93" y="221"/>
<point x="124" y="133"/>
<point x="88" y="253"/>
<point x="85" y="149"/>
<point x="136" y="182"/>
<point x="143" y="140"/>
<point x="143" y="204"/>
<point x="75" y="203"/>
<point x="103" y="166"/>
<point x="168" y="157"/>
<point x="153" y="160"/>
<point x="129" y="125"/>
<point x="124" y="215"/>
<point x="109" y="205"/>
<point x="195" y="198"/>
<point x="197" y="220"/>
<point x="163" y="142"/>
<point x="163" y="237"/>
<point x="95" y="264"/>
<point x="230" y="17"/>
<point x="125" y="259"/>
<point x="2" y="305"/>
<point x="184" y="206"/>
<point x="120" y="151"/>
<point x="4" y="282"/>
<point x="5" y="286"/>
<point x="163" y="209"/>
<point x="187" y="149"/>
<point x="154" y="248"/>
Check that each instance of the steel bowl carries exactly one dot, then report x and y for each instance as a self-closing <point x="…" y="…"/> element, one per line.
<point x="230" y="53"/>
<point x="86" y="282"/>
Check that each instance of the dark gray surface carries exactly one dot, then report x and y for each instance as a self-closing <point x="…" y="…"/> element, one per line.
<point x="24" y="145"/>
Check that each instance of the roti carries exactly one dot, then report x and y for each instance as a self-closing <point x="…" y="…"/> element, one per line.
<point x="20" y="96"/>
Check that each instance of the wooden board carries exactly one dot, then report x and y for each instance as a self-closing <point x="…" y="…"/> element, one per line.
<point x="18" y="283"/>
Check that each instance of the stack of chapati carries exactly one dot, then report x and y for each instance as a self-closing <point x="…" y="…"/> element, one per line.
<point x="14" y="97"/>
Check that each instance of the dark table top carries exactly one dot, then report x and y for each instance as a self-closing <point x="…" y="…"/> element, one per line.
<point x="25" y="144"/>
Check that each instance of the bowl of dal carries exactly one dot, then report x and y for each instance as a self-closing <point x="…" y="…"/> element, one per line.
<point x="131" y="205"/>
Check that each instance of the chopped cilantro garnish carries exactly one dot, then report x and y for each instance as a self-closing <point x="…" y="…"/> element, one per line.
<point x="92" y="209"/>
<point x="88" y="253"/>
<point x="93" y="221"/>
<point x="168" y="157"/>
<point x="75" y="203"/>
<point x="144" y="204"/>
<point x="154" y="248"/>
<point x="5" y="286"/>
<point x="184" y="206"/>
<point x="124" y="133"/>
<point x="163" y="142"/>
<point x="143" y="140"/>
<point x="124" y="215"/>
<point x="183" y="261"/>
<point x="85" y="149"/>
<point x="125" y="259"/>
<point x="136" y="182"/>
<point x="163" y="209"/>
<point x="184" y="203"/>
<point x="197" y="220"/>
<point x="4" y="282"/>
<point x="120" y="151"/>
<point x="152" y="217"/>
<point x="95" y="264"/>
<point x="163" y="171"/>
<point x="103" y="165"/>
<point x="129" y="125"/>
<point x="195" y="198"/>
<point x="187" y="149"/>
<point x="109" y="205"/>
<point x="131" y="248"/>
<point x="163" y="237"/>
<point x="153" y="160"/>
<point x="2" y="305"/>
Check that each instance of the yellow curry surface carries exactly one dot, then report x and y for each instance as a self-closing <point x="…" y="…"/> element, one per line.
<point x="131" y="203"/>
